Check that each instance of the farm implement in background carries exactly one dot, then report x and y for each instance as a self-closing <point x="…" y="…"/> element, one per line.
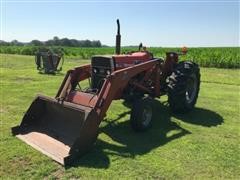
<point x="66" y="127"/>
<point x="48" y="61"/>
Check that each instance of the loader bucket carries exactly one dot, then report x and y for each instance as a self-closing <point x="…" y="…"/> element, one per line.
<point x="62" y="131"/>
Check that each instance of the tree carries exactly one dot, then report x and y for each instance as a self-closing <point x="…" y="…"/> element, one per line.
<point x="65" y="42"/>
<point x="56" y="41"/>
<point x="16" y="43"/>
<point x="36" y="43"/>
<point x="49" y="43"/>
<point x="4" y="43"/>
<point x="96" y="44"/>
<point x="87" y="43"/>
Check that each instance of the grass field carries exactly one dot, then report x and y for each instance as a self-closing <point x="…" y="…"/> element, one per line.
<point x="203" y="144"/>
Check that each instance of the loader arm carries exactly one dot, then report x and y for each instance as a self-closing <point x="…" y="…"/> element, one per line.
<point x="112" y="88"/>
<point x="71" y="80"/>
<point x="118" y="80"/>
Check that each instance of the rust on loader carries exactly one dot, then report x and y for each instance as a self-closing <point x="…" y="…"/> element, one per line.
<point x="66" y="127"/>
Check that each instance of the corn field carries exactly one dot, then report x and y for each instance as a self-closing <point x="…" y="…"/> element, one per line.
<point x="220" y="57"/>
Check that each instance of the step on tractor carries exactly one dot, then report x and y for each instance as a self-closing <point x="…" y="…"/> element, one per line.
<point x="66" y="127"/>
<point x="48" y="61"/>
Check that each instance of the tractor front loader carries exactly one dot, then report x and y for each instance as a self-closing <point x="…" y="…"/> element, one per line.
<point x="66" y="127"/>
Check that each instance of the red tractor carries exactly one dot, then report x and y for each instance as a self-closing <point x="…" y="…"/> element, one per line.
<point x="66" y="127"/>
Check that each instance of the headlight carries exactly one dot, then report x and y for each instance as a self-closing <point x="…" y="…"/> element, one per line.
<point x="95" y="70"/>
<point x="108" y="72"/>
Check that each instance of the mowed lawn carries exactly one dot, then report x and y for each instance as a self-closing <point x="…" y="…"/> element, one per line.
<point x="203" y="144"/>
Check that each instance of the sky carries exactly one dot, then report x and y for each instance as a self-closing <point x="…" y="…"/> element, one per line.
<point x="163" y="23"/>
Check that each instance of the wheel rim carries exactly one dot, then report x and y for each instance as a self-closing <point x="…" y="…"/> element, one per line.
<point x="191" y="89"/>
<point x="147" y="115"/>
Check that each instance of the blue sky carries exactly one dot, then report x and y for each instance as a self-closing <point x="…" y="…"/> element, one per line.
<point x="155" y="23"/>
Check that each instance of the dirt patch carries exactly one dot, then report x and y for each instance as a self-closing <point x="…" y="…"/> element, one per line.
<point x="17" y="164"/>
<point x="57" y="174"/>
<point x="23" y="79"/>
<point x="2" y="110"/>
<point x="21" y="161"/>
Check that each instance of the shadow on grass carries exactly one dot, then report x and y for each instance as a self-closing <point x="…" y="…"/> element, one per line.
<point x="200" y="116"/>
<point x="52" y="74"/>
<point x="128" y="143"/>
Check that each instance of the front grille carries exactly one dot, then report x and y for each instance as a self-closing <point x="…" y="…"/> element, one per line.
<point x="101" y="67"/>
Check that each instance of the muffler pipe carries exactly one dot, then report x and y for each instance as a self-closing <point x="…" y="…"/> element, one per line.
<point x="118" y="39"/>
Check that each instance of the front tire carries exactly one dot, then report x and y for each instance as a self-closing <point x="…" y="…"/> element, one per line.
<point x="183" y="87"/>
<point x="141" y="115"/>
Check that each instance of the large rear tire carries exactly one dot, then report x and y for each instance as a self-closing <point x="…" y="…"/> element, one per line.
<point x="183" y="87"/>
<point x="141" y="115"/>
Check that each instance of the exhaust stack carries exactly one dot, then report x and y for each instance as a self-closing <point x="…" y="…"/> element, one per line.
<point x="118" y="39"/>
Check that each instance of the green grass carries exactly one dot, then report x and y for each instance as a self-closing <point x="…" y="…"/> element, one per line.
<point x="203" y="144"/>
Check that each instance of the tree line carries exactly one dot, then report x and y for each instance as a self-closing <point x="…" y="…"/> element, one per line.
<point x="55" y="42"/>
